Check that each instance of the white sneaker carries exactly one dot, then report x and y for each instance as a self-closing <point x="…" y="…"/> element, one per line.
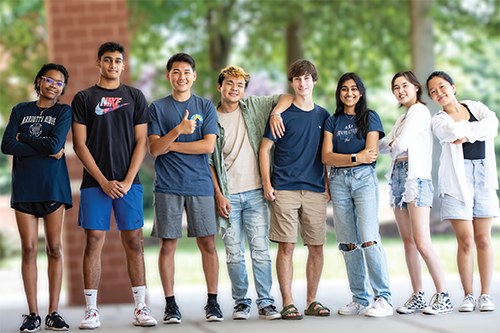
<point x="379" y="308"/>
<point x="439" y="304"/>
<point x="142" y="316"/>
<point x="241" y="311"/>
<point x="352" y="308"/>
<point x="468" y="304"/>
<point x="416" y="302"/>
<point x="485" y="303"/>
<point x="91" y="319"/>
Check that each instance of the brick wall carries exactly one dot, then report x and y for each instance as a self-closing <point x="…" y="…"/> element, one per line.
<point x="76" y="29"/>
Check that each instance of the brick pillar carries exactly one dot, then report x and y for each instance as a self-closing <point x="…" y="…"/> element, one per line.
<point x="76" y="29"/>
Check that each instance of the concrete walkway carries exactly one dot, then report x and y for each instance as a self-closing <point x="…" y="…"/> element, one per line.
<point x="334" y="294"/>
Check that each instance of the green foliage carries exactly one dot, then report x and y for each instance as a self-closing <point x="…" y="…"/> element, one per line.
<point x="23" y="47"/>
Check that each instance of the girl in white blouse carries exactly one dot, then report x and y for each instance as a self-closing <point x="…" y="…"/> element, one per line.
<point x="410" y="145"/>
<point x="467" y="182"/>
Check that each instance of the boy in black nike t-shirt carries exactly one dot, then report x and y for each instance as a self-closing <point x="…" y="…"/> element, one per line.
<point x="110" y="138"/>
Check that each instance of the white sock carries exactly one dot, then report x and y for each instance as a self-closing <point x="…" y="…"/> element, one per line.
<point x="139" y="295"/>
<point x="91" y="297"/>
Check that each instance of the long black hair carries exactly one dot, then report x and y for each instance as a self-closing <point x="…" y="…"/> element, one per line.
<point x="362" y="112"/>
<point x="48" y="67"/>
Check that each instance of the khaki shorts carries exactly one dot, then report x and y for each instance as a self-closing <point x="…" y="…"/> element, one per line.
<point x="294" y="208"/>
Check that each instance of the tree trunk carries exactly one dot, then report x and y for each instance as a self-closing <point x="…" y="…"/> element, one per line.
<point x="423" y="64"/>
<point x="294" y="37"/>
<point x="219" y="37"/>
<point x="219" y="43"/>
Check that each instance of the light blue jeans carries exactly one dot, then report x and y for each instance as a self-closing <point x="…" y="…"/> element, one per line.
<point x="249" y="216"/>
<point x="354" y="194"/>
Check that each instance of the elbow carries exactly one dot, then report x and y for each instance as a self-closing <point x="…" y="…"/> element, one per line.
<point x="210" y="148"/>
<point x="153" y="153"/>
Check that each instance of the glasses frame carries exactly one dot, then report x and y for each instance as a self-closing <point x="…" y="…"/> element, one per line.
<point x="59" y="84"/>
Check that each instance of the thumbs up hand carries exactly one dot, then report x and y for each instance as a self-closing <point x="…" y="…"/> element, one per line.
<point x="187" y="126"/>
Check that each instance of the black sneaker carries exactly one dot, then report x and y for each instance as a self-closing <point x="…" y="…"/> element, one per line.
<point x="55" y="322"/>
<point x="213" y="312"/>
<point x="172" y="315"/>
<point x="31" y="323"/>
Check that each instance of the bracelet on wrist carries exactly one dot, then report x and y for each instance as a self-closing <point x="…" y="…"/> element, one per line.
<point x="276" y="114"/>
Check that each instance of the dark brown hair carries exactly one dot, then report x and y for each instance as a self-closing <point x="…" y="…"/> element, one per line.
<point x="412" y="78"/>
<point x="302" y="67"/>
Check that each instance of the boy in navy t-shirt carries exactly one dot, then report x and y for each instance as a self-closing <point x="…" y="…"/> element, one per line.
<point x="297" y="188"/>
<point x="182" y="133"/>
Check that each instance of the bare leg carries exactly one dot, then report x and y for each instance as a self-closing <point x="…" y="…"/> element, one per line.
<point x="465" y="260"/>
<point x="28" y="230"/>
<point x="485" y="256"/>
<point x="420" y="223"/>
<point x="53" y="228"/>
<point x="284" y="269"/>
<point x="131" y="240"/>
<point x="166" y="265"/>
<point x="314" y="268"/>
<point x="411" y="253"/>
<point x="210" y="262"/>
<point x="94" y="240"/>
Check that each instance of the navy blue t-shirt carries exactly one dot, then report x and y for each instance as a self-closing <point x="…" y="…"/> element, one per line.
<point x="297" y="155"/>
<point x="177" y="173"/>
<point x="344" y="130"/>
<point x="36" y="176"/>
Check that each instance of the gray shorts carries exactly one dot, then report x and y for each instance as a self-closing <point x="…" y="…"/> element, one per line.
<point x="168" y="208"/>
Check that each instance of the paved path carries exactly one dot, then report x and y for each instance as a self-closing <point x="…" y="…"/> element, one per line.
<point x="117" y="318"/>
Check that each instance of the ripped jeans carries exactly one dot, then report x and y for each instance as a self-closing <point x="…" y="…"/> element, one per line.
<point x="354" y="193"/>
<point x="249" y="216"/>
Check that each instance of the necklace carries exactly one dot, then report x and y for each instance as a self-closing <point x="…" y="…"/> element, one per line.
<point x="350" y="118"/>
<point x="42" y="110"/>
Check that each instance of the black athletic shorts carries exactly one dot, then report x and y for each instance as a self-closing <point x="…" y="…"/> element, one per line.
<point x="39" y="209"/>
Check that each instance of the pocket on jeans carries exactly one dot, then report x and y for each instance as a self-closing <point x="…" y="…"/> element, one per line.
<point x="363" y="174"/>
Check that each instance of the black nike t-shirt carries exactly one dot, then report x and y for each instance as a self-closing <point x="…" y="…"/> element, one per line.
<point x="110" y="116"/>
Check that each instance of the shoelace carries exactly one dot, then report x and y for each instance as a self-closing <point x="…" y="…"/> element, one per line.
<point x="30" y="318"/>
<point x="56" y="318"/>
<point x="352" y="305"/>
<point x="144" y="311"/>
<point x="379" y="302"/>
<point x="485" y="298"/>
<point x="90" y="313"/>
<point x="435" y="300"/>
<point x="470" y="299"/>
<point x="411" y="301"/>
<point x="271" y="307"/>
<point x="240" y="307"/>
<point x="171" y="308"/>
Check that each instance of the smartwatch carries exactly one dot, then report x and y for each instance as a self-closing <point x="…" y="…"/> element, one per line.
<point x="354" y="159"/>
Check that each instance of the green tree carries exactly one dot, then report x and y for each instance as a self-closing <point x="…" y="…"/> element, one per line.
<point x="23" y="50"/>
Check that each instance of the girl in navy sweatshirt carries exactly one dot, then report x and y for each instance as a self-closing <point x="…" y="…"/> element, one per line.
<point x="35" y="136"/>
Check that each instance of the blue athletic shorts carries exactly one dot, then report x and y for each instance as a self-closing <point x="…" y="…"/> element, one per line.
<point x="95" y="209"/>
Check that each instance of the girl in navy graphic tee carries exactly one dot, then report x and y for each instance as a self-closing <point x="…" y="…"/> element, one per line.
<point x="35" y="136"/>
<point x="350" y="147"/>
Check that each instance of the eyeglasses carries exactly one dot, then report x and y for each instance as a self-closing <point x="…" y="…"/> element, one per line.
<point x="50" y="82"/>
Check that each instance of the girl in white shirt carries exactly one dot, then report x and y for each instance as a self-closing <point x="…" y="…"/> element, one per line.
<point x="467" y="182"/>
<point x="410" y="145"/>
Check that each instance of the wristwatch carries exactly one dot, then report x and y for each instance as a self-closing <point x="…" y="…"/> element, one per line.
<point x="354" y="159"/>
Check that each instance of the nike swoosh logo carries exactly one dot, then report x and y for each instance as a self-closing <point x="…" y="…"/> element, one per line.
<point x="88" y="295"/>
<point x="100" y="111"/>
